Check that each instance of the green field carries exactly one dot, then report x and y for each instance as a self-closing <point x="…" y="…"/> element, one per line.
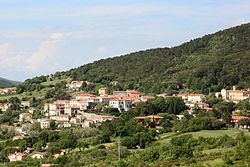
<point x="166" y="137"/>
<point x="53" y="82"/>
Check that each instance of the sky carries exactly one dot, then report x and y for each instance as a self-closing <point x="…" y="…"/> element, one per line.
<point x="44" y="36"/>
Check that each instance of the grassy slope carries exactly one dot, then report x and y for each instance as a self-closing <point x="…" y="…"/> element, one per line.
<point x="37" y="94"/>
<point x="166" y="137"/>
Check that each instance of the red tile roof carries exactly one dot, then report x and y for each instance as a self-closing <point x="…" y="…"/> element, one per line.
<point x="238" y="117"/>
<point x="86" y="95"/>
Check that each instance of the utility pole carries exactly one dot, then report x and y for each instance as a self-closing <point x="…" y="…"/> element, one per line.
<point x="119" y="148"/>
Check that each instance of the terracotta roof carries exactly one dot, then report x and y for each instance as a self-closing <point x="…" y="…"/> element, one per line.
<point x="86" y="95"/>
<point x="133" y="91"/>
<point x="20" y="137"/>
<point x="18" y="154"/>
<point x="149" y="116"/>
<point x="61" y="101"/>
<point x="40" y="153"/>
<point x="238" y="117"/>
<point x="190" y="94"/>
<point x="238" y="91"/>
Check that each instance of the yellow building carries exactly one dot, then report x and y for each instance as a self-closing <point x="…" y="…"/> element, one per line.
<point x="235" y="95"/>
<point x="4" y="106"/>
<point x="103" y="91"/>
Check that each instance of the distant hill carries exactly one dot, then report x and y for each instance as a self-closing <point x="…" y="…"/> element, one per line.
<point x="7" y="83"/>
<point x="204" y="64"/>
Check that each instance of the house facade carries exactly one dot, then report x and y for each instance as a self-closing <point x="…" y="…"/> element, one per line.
<point x="120" y="104"/>
<point x="234" y="95"/>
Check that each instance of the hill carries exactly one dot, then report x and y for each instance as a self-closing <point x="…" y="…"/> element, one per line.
<point x="7" y="83"/>
<point x="211" y="62"/>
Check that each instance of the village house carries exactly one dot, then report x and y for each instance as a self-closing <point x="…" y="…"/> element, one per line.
<point x="19" y="137"/>
<point x="235" y="119"/>
<point x="25" y="104"/>
<point x="76" y="120"/>
<point x="4" y="106"/>
<point x="151" y="119"/>
<point x="60" y="118"/>
<point x="103" y="91"/>
<point x="114" y="83"/>
<point x="17" y="156"/>
<point x="62" y="152"/>
<point x="233" y="95"/>
<point x="146" y="98"/>
<point x="64" y="125"/>
<point x="121" y="103"/>
<point x="238" y="112"/>
<point x="29" y="150"/>
<point x="192" y="97"/>
<point x="84" y="96"/>
<point x="76" y="85"/>
<point x="71" y="111"/>
<point x="78" y="103"/>
<point x="179" y="117"/>
<point x="25" y="117"/>
<point x="91" y="118"/>
<point x="93" y="100"/>
<point x="37" y="155"/>
<point x="128" y="93"/>
<point x="45" y="123"/>
<point x="200" y="105"/>
<point x="47" y="165"/>
<point x="104" y="99"/>
<point x="87" y="123"/>
<point x="58" y="107"/>
<point x="46" y="107"/>
<point x="7" y="90"/>
<point x="164" y="95"/>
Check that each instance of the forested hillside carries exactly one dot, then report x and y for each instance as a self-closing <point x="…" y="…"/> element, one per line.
<point x="7" y="83"/>
<point x="211" y="62"/>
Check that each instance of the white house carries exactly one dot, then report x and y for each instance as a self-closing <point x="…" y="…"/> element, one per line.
<point x="76" y="85"/>
<point x="45" y="123"/>
<point x="37" y="155"/>
<point x="120" y="103"/>
<point x="17" y="156"/>
<point x="25" y="117"/>
<point x="192" y="97"/>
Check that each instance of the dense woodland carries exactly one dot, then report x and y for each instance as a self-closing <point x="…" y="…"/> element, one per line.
<point x="212" y="62"/>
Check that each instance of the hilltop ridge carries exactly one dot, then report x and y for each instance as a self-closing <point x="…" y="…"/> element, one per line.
<point x="209" y="63"/>
<point x="7" y="83"/>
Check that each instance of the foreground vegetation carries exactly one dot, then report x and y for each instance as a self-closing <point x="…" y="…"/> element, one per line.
<point x="204" y="148"/>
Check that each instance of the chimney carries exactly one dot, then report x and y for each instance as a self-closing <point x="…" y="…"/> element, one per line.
<point x="234" y="87"/>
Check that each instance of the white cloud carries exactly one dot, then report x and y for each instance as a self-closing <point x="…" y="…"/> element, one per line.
<point x="102" y="50"/>
<point x="9" y="59"/>
<point x="4" y="50"/>
<point x="42" y="58"/>
<point x="45" y="52"/>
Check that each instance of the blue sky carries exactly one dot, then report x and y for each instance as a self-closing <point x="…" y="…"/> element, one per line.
<point x="44" y="36"/>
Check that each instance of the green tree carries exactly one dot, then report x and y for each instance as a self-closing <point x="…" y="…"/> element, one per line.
<point x="52" y="125"/>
